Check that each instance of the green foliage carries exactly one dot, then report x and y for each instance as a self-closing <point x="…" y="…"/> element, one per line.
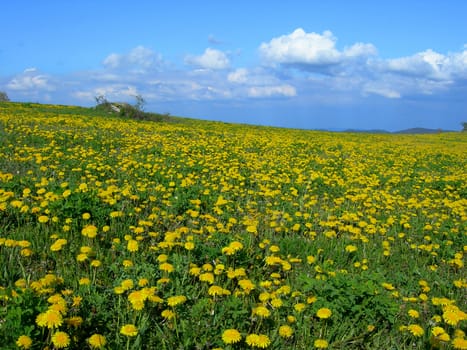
<point x="357" y="296"/>
<point x="126" y="110"/>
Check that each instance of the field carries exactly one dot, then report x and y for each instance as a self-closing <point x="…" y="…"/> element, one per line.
<point x="184" y="234"/>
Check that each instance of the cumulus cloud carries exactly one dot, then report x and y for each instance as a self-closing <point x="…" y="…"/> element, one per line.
<point x="139" y="59"/>
<point x="30" y="79"/>
<point x="430" y="64"/>
<point x="311" y="49"/>
<point x="210" y="59"/>
<point x="427" y="64"/>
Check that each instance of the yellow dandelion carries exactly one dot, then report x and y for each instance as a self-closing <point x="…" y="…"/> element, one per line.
<point x="129" y="330"/>
<point x="166" y="267"/>
<point x="127" y="263"/>
<point x="231" y="336"/>
<point x="84" y="281"/>
<point x="97" y="341"/>
<point x="258" y="340"/>
<point x="143" y="282"/>
<point x="215" y="290"/>
<point x="189" y="246"/>
<point x="96" y="263"/>
<point x="277" y="302"/>
<point x="82" y="257"/>
<point x="459" y="343"/>
<point x="168" y="314"/>
<point x="351" y="248"/>
<point x="176" y="300"/>
<point x="74" y="321"/>
<point x="132" y="245"/>
<point x="416" y="330"/>
<point x="285" y="331"/>
<point x="24" y="342"/>
<point x="127" y="284"/>
<point x="89" y="231"/>
<point x="324" y="313"/>
<point x="49" y="319"/>
<point x="43" y="219"/>
<point x="300" y="307"/>
<point x="413" y="313"/>
<point x="320" y="344"/>
<point x="207" y="277"/>
<point x="452" y="315"/>
<point x="60" y="340"/>
<point x="261" y="311"/>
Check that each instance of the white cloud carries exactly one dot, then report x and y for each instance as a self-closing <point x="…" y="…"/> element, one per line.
<point x="381" y="91"/>
<point x="272" y="91"/>
<point x="428" y="63"/>
<point x="360" y="50"/>
<point x="301" y="47"/>
<point x="30" y="79"/>
<point x="139" y="59"/>
<point x="311" y="49"/>
<point x="239" y="75"/>
<point x="210" y="59"/>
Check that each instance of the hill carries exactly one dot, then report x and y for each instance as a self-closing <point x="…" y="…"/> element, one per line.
<point x="132" y="233"/>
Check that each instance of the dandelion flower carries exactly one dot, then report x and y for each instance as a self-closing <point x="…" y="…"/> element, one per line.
<point x="231" y="336"/>
<point x="60" y="340"/>
<point x="300" y="307"/>
<point x="166" y="267"/>
<point x="320" y="344"/>
<point x="24" y="342"/>
<point x="97" y="341"/>
<point x="84" y="281"/>
<point x="168" y="314"/>
<point x="49" y="319"/>
<point x="207" y="277"/>
<point x="459" y="343"/>
<point x="258" y="340"/>
<point x="176" y="300"/>
<point x="129" y="330"/>
<point x="452" y="315"/>
<point x="43" y="219"/>
<point x="324" y="313"/>
<point x="132" y="245"/>
<point x="74" y="321"/>
<point x="89" y="231"/>
<point x="416" y="330"/>
<point x="215" y="290"/>
<point x="262" y="311"/>
<point x="285" y="331"/>
<point x="127" y="284"/>
<point x="413" y="313"/>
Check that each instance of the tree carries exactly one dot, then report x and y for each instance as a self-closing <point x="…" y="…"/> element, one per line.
<point x="4" y="97"/>
<point x="140" y="102"/>
<point x="464" y="126"/>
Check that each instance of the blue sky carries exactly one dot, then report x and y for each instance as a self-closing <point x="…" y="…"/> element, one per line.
<point x="302" y="64"/>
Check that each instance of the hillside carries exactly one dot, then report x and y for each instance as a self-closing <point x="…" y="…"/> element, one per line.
<point x="125" y="233"/>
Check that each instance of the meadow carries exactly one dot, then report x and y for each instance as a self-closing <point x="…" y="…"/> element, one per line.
<point x="183" y="234"/>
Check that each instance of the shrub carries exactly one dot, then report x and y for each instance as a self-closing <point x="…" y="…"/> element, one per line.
<point x="4" y="97"/>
